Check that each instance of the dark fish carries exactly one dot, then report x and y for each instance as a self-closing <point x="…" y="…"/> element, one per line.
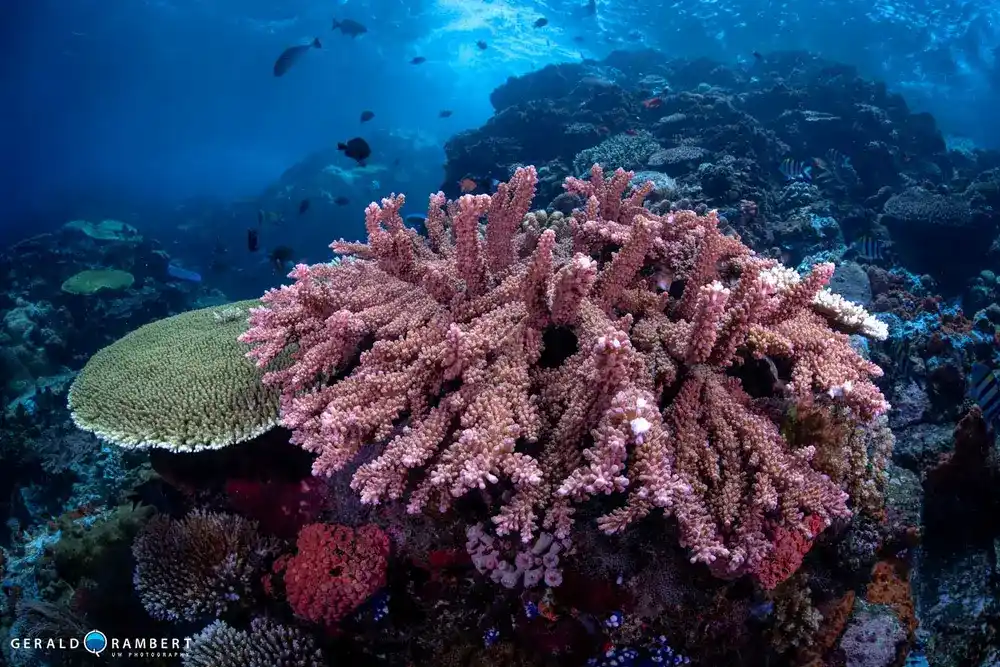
<point x="357" y="149"/>
<point x="795" y="170"/>
<point x="417" y="221"/>
<point x="418" y="60"/>
<point x="367" y="116"/>
<point x="482" y="45"/>
<point x="590" y="9"/>
<point x="444" y="113"/>
<point x="395" y="163"/>
<point x="303" y="206"/>
<point x="341" y="201"/>
<point x="871" y="248"/>
<point x="579" y="39"/>
<point x="349" y="27"/>
<point x="757" y="56"/>
<point x="541" y="23"/>
<point x="291" y="55"/>
<point x="253" y="242"/>
<point x="985" y="389"/>
<point x="280" y="256"/>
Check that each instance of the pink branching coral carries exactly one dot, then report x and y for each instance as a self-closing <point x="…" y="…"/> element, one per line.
<point x="335" y="569"/>
<point x="500" y="359"/>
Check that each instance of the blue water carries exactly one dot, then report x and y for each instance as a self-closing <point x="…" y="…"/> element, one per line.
<point x="141" y="104"/>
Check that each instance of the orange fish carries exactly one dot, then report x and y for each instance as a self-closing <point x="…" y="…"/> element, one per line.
<point x="467" y="185"/>
<point x="546" y="610"/>
<point x="652" y="102"/>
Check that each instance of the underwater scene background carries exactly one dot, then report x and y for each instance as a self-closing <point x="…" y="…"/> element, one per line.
<point x="495" y="333"/>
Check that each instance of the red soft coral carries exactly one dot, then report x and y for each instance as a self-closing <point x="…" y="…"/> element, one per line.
<point x="335" y="570"/>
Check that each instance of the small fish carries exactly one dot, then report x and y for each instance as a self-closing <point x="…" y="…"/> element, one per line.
<point x="303" y="206"/>
<point x="482" y="45"/>
<point x="795" y="170"/>
<point x="541" y="23"/>
<point x="280" y="256"/>
<point x="269" y="217"/>
<point x="590" y="9"/>
<point x="756" y="56"/>
<point x="631" y="132"/>
<point x="579" y="39"/>
<point x="985" y="390"/>
<point x="837" y="159"/>
<point x="253" y="242"/>
<point x="349" y="27"/>
<point x="417" y="222"/>
<point x="445" y="113"/>
<point x="367" y="115"/>
<point x="341" y="201"/>
<point x="375" y="184"/>
<point x="871" y="248"/>
<point x="652" y="103"/>
<point x="418" y="60"/>
<point x="467" y="185"/>
<point x="357" y="149"/>
<point x="291" y="55"/>
<point x="181" y="273"/>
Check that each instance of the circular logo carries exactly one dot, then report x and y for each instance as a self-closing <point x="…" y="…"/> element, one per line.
<point x="95" y="641"/>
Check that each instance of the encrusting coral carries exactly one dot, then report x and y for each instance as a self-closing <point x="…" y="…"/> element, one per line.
<point x="618" y="361"/>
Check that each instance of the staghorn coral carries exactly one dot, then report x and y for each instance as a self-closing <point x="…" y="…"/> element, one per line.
<point x="569" y="371"/>
<point x="180" y="383"/>
<point x="266" y="644"/>
<point x="199" y="566"/>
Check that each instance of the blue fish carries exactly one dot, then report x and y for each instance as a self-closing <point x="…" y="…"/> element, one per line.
<point x="795" y="170"/>
<point x="985" y="389"/>
<point x="175" y="271"/>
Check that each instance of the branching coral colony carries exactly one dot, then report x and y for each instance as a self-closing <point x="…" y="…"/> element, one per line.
<point x="607" y="355"/>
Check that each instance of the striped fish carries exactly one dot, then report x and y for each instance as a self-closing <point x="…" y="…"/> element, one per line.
<point x="871" y="248"/>
<point x="795" y="170"/>
<point x="985" y="389"/>
<point x="837" y="159"/>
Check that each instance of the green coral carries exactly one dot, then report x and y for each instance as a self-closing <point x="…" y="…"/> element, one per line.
<point x="85" y="546"/>
<point x="93" y="281"/>
<point x="181" y="383"/>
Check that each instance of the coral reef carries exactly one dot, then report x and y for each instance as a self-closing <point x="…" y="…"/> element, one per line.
<point x="514" y="340"/>
<point x="199" y="566"/>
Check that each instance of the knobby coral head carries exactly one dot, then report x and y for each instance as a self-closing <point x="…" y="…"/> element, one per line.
<point x="603" y="353"/>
